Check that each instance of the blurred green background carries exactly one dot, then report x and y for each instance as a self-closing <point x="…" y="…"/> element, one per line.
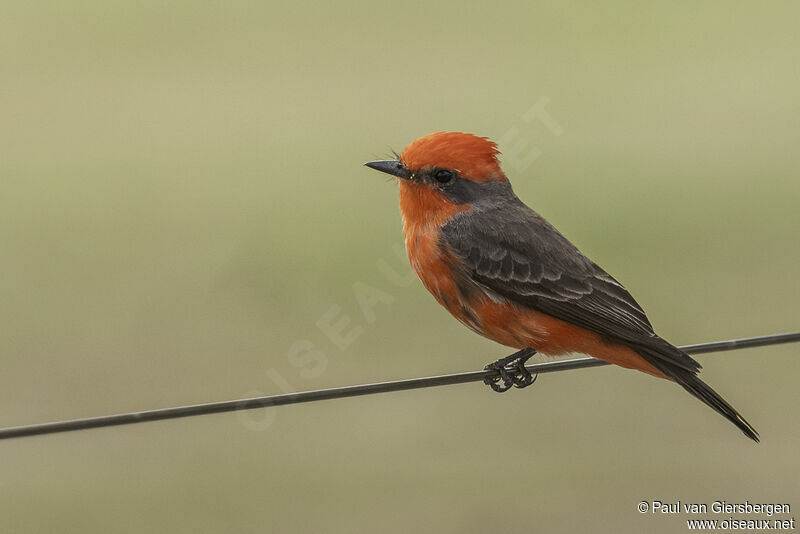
<point x="183" y="200"/>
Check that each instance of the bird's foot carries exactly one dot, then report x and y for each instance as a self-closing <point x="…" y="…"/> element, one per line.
<point x="511" y="370"/>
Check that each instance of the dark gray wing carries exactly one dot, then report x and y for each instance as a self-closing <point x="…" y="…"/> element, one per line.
<point x="509" y="249"/>
<point x="514" y="252"/>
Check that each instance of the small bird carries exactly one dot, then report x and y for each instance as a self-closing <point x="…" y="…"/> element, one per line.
<point x="506" y="273"/>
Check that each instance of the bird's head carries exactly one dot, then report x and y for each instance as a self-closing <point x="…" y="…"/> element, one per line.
<point x="445" y="172"/>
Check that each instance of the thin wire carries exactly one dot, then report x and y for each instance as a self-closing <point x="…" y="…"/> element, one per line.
<point x="354" y="391"/>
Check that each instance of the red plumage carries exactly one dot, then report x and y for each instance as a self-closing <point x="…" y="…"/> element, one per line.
<point x="507" y="274"/>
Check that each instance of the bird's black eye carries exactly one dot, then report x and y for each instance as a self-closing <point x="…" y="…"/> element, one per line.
<point x="444" y="176"/>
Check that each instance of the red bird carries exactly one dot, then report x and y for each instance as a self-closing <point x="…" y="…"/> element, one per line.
<point x="509" y="275"/>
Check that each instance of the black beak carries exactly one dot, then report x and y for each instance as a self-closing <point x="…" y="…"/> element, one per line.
<point x="394" y="167"/>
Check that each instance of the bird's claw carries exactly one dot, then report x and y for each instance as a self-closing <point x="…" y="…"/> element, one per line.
<point x="511" y="370"/>
<point x="493" y="381"/>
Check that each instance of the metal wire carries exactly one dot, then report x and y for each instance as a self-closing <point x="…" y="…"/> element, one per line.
<point x="354" y="391"/>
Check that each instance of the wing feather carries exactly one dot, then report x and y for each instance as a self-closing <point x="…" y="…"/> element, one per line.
<point x="523" y="258"/>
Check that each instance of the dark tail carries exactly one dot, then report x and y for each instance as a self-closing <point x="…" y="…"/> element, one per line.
<point x="689" y="380"/>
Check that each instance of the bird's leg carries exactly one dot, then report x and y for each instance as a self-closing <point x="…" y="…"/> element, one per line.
<point x="511" y="370"/>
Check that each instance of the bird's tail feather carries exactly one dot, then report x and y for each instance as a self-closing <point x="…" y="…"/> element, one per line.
<point x="691" y="382"/>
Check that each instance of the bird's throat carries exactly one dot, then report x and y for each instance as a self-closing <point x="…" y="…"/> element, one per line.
<point x="422" y="205"/>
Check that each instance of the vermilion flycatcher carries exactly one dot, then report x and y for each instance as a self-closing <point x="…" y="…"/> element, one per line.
<point x="507" y="274"/>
